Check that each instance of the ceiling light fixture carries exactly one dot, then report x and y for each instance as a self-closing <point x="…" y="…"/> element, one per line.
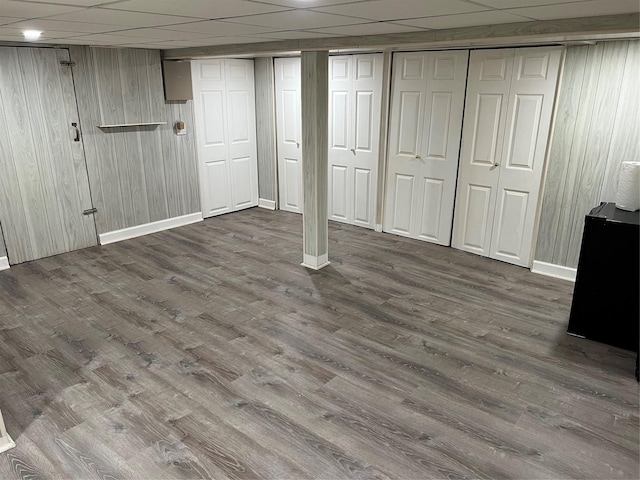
<point x="31" y="35"/>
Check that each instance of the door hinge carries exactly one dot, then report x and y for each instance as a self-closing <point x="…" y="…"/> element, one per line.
<point x="90" y="211"/>
<point x="67" y="63"/>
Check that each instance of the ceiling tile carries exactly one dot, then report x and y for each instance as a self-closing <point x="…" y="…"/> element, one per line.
<point x="521" y="3"/>
<point x="300" y="19"/>
<point x="106" y="38"/>
<point x="120" y="17"/>
<point x="80" y="3"/>
<point x="79" y="27"/>
<point x="466" y="20"/>
<point x="293" y="35"/>
<point x="153" y="34"/>
<point x="583" y="9"/>
<point x="17" y="32"/>
<point x="8" y="20"/>
<point x="217" y="28"/>
<point x="394" y="9"/>
<point x="13" y="8"/>
<point x="205" y="9"/>
<point x="232" y="40"/>
<point x="308" y="3"/>
<point x="375" y="28"/>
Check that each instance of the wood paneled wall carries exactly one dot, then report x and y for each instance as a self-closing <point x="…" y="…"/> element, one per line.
<point x="137" y="174"/>
<point x="597" y="128"/>
<point x="3" y="248"/>
<point x="266" y="128"/>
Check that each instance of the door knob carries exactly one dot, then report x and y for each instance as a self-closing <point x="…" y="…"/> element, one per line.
<point x="496" y="164"/>
<point x="418" y="157"/>
<point x="353" y="150"/>
<point x="297" y="144"/>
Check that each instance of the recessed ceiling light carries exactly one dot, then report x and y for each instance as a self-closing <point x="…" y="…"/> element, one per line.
<point x="31" y="35"/>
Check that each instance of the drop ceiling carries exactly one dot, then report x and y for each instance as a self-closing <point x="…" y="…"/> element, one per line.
<point x="167" y="24"/>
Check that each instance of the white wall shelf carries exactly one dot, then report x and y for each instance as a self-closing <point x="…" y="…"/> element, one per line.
<point x="142" y="124"/>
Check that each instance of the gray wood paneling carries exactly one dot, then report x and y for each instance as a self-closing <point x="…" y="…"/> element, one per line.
<point x="3" y="249"/>
<point x="266" y="128"/>
<point x="597" y="128"/>
<point x="137" y="174"/>
<point x="315" y="138"/>
<point x="43" y="179"/>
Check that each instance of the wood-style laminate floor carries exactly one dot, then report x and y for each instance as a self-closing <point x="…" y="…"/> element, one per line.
<point x="209" y="352"/>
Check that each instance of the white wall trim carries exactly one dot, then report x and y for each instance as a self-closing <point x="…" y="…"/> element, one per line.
<point x="6" y="443"/>
<point x="316" y="263"/>
<point x="552" y="270"/>
<point x="4" y="263"/>
<point x="147" y="228"/>
<point x="268" y="204"/>
<point x="5" y="440"/>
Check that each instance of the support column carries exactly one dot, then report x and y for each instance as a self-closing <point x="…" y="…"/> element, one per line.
<point x="315" y="138"/>
<point x="5" y="440"/>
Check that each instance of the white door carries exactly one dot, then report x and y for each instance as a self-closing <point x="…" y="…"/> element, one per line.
<point x="224" y="103"/>
<point x="287" y="85"/>
<point x="510" y="98"/>
<point x="355" y="87"/>
<point x="44" y="185"/>
<point x="427" y="101"/>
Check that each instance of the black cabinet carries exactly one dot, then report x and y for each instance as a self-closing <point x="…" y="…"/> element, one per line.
<point x="606" y="305"/>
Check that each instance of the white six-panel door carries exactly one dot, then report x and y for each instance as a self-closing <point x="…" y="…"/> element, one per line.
<point x="355" y="87"/>
<point x="224" y="103"/>
<point x="287" y="85"/>
<point x="427" y="101"/>
<point x="510" y="97"/>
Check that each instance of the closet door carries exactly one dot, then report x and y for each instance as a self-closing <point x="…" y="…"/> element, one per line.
<point x="481" y="153"/>
<point x="531" y="100"/>
<point x="224" y="103"/>
<point x="44" y="186"/>
<point x="355" y="86"/>
<point x="424" y="138"/>
<point x="287" y="85"/>
<point x="340" y="144"/>
<point x="510" y="101"/>
<point x="241" y="120"/>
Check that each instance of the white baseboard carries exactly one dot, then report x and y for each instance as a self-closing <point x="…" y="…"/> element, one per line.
<point x="147" y="228"/>
<point x="4" y="263"/>
<point x="557" y="271"/>
<point x="6" y="443"/>
<point x="315" y="263"/>
<point x="268" y="204"/>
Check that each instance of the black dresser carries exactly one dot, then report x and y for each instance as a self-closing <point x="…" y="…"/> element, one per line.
<point x="606" y="305"/>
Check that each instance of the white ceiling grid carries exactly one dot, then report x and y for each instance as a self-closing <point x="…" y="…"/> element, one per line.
<point x="168" y="24"/>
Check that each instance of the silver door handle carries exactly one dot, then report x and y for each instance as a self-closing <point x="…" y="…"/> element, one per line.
<point x="418" y="157"/>
<point x="297" y="144"/>
<point x="353" y="150"/>
<point x="494" y="166"/>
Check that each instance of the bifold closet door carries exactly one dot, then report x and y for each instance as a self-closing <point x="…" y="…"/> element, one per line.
<point x="224" y="104"/>
<point x="287" y="85"/>
<point x="510" y="98"/>
<point x="44" y="185"/>
<point x="355" y="87"/>
<point x="427" y="101"/>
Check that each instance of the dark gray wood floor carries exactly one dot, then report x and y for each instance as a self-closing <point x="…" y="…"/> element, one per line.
<point x="209" y="352"/>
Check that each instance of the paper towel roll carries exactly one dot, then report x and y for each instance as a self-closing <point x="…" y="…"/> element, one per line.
<point x="628" y="197"/>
